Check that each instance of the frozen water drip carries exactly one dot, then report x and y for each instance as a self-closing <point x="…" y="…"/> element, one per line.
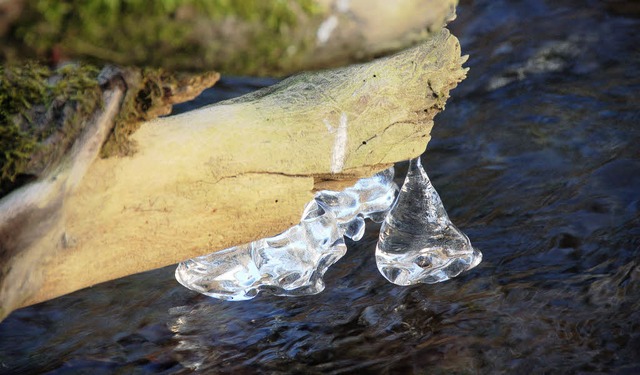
<point x="418" y="243"/>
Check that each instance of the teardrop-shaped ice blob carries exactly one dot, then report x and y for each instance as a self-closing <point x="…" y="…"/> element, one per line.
<point x="418" y="243"/>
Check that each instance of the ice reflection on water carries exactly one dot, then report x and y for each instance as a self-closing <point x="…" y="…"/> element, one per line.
<point x="536" y="158"/>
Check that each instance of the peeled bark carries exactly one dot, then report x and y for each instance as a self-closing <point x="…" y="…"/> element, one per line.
<point x="225" y="174"/>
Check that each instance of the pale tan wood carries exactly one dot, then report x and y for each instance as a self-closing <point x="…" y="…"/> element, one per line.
<point x="234" y="172"/>
<point x="33" y="218"/>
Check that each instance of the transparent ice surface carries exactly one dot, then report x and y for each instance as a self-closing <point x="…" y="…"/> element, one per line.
<point x="418" y="243"/>
<point x="370" y="198"/>
<point x="293" y="262"/>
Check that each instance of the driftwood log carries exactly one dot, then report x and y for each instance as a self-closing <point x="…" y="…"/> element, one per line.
<point x="218" y="176"/>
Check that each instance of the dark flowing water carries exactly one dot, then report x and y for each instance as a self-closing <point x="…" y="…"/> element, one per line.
<point x="537" y="158"/>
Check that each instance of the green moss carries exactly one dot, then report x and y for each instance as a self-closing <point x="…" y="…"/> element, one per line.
<point x="40" y="116"/>
<point x="241" y="37"/>
<point x="146" y="94"/>
<point x="42" y="112"/>
<point x="41" y="109"/>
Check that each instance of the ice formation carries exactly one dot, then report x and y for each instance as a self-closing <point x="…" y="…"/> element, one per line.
<point x="418" y="243"/>
<point x="370" y="198"/>
<point x="293" y="262"/>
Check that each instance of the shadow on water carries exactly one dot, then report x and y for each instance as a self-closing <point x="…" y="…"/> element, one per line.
<point x="537" y="158"/>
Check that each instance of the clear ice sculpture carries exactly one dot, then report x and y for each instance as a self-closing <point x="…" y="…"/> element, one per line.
<point x="418" y="243"/>
<point x="293" y="262"/>
<point x="370" y="198"/>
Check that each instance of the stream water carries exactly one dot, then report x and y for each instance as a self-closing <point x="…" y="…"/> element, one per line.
<point x="536" y="158"/>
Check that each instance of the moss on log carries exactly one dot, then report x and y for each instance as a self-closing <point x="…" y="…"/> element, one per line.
<point x="151" y="92"/>
<point x="222" y="175"/>
<point x="43" y="111"/>
<point x="250" y="37"/>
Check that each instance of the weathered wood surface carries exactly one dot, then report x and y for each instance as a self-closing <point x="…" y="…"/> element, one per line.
<point x="33" y="218"/>
<point x="233" y="172"/>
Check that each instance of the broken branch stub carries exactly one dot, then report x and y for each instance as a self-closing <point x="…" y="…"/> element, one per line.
<point x="243" y="169"/>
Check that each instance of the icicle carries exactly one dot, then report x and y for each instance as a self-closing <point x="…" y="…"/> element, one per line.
<point x="418" y="243"/>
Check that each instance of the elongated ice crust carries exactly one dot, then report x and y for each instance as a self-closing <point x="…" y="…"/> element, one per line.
<point x="418" y="243"/>
<point x="293" y="262"/>
<point x="370" y="198"/>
